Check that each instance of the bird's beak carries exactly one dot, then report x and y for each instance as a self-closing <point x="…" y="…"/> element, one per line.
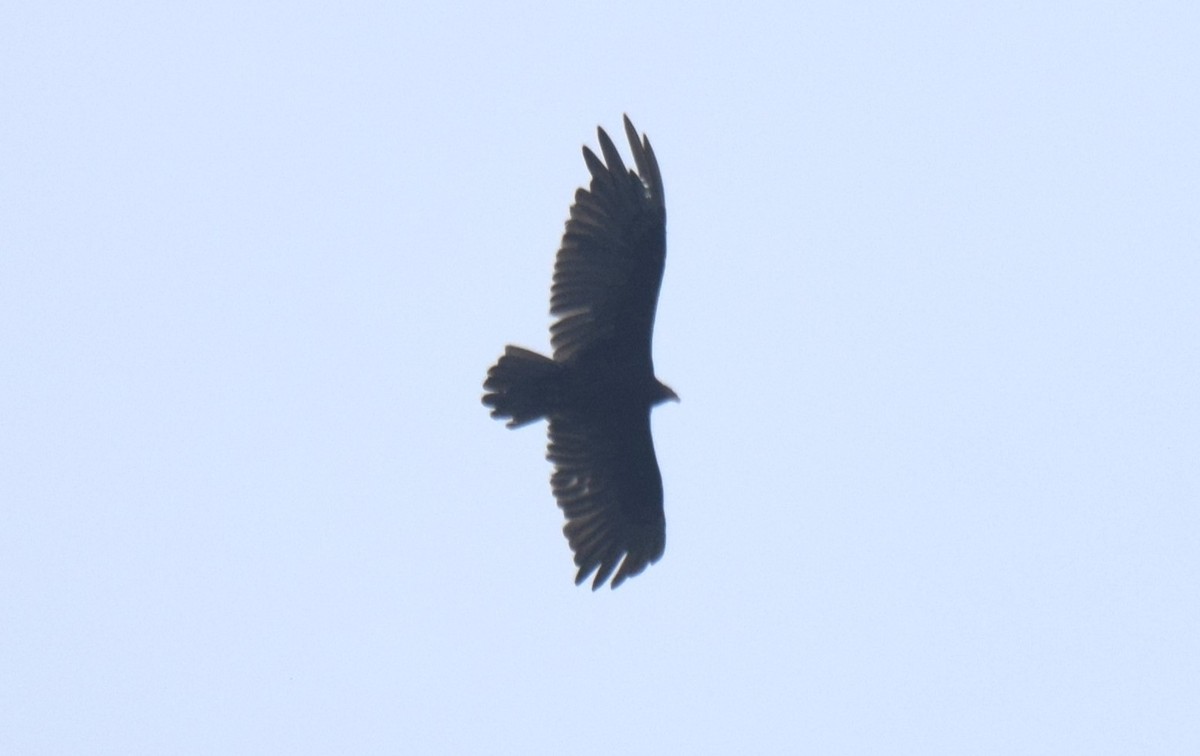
<point x="667" y="393"/>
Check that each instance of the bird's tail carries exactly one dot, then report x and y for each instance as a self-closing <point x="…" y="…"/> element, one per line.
<point x="522" y="386"/>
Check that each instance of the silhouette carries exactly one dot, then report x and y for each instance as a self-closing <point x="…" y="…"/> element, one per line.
<point x="598" y="389"/>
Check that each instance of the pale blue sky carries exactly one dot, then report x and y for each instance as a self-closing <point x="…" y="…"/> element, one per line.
<point x="930" y="303"/>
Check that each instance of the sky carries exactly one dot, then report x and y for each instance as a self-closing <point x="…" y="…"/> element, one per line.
<point x="930" y="304"/>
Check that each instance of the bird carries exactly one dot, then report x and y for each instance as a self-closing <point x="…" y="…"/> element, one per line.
<point x="598" y="387"/>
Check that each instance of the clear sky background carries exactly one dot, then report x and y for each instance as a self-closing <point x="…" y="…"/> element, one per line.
<point x="930" y="303"/>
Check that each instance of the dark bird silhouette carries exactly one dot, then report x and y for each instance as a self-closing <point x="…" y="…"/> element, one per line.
<point x="598" y="389"/>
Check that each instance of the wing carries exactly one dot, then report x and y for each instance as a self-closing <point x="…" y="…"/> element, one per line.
<point x="606" y="481"/>
<point x="610" y="266"/>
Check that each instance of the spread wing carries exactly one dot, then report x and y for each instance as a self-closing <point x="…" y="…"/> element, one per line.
<point x="606" y="481"/>
<point x="610" y="266"/>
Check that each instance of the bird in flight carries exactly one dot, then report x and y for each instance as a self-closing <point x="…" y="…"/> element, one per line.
<point x="598" y="389"/>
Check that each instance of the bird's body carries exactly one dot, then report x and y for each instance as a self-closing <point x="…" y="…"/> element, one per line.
<point x="598" y="389"/>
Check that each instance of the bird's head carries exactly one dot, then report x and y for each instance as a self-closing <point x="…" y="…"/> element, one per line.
<point x="663" y="392"/>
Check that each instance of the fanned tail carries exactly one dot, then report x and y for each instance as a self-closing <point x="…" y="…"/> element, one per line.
<point x="522" y="386"/>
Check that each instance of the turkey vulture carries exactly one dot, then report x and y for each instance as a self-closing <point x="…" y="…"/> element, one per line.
<point x="598" y="389"/>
